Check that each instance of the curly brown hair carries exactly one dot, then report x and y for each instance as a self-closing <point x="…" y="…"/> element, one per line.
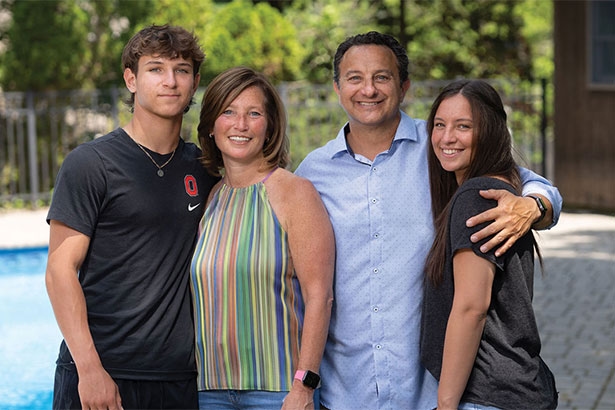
<point x="164" y="41"/>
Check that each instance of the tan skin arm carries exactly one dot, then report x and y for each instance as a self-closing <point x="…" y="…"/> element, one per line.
<point x="473" y="278"/>
<point x="312" y="247"/>
<point x="512" y="218"/>
<point x="67" y="250"/>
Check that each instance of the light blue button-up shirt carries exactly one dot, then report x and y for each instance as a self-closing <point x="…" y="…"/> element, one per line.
<point x="381" y="215"/>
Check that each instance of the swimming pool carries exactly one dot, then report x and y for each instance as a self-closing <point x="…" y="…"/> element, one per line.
<point x="29" y="335"/>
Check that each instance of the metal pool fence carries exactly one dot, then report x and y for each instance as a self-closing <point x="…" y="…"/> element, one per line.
<point x="38" y="129"/>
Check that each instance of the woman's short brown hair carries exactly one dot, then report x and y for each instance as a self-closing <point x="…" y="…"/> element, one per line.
<point x="220" y="93"/>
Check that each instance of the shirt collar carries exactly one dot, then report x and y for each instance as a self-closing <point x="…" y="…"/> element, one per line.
<point x="406" y="130"/>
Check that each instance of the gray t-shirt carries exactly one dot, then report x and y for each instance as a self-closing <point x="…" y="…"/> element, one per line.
<point x="508" y="372"/>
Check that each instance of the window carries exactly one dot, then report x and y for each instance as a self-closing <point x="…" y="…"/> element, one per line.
<point x="602" y="43"/>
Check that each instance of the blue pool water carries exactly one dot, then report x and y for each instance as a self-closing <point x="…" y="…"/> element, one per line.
<point x="29" y="336"/>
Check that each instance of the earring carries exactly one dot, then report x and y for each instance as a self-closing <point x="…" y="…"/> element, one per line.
<point x="211" y="135"/>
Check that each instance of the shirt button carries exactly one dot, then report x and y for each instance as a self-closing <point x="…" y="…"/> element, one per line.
<point x="376" y="270"/>
<point x="374" y="201"/>
<point x="378" y="347"/>
<point x="375" y="309"/>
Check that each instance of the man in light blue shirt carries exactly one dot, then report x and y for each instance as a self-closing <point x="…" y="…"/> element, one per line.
<point x="373" y="179"/>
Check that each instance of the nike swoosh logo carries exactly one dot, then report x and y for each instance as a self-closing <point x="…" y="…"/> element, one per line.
<point x="193" y="207"/>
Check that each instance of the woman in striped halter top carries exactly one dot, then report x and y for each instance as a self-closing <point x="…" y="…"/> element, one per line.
<point x="262" y="270"/>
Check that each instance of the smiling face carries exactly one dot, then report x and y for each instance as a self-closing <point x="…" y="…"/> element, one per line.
<point x="369" y="89"/>
<point x="163" y="87"/>
<point x="241" y="128"/>
<point x="452" y="136"/>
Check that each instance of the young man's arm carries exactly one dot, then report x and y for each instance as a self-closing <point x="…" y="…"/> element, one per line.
<point x="67" y="250"/>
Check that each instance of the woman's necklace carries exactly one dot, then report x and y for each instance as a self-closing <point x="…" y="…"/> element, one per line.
<point x="160" y="172"/>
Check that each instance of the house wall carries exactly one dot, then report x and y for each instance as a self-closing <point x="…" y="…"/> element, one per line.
<point x="584" y="118"/>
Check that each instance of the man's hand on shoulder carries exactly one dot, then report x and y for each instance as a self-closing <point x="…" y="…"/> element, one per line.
<point x="510" y="220"/>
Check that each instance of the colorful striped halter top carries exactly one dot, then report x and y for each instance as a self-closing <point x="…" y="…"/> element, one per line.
<point x="247" y="300"/>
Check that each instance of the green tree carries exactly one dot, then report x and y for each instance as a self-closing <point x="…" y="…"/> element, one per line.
<point x="278" y="4"/>
<point x="537" y="29"/>
<point x="64" y="44"/>
<point x="322" y="25"/>
<point x="112" y="23"/>
<point x="252" y="35"/>
<point x="46" y="46"/>
<point x="193" y="15"/>
<point x="483" y="38"/>
<point x="67" y="44"/>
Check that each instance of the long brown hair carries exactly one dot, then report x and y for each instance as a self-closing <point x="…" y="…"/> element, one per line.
<point x="492" y="156"/>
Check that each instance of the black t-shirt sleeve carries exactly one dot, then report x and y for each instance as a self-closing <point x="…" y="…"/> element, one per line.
<point x="467" y="203"/>
<point x="79" y="190"/>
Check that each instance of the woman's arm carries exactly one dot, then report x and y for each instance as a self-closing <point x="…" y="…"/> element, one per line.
<point x="473" y="279"/>
<point x="312" y="248"/>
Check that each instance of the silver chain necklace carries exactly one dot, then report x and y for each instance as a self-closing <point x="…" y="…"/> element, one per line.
<point x="160" y="172"/>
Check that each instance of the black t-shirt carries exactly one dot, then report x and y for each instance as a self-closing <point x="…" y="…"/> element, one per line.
<point x="508" y="372"/>
<point x="142" y="231"/>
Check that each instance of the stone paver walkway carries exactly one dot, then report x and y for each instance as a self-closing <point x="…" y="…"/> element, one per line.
<point x="574" y="300"/>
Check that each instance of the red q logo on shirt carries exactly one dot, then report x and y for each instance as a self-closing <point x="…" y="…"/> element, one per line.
<point x="192" y="188"/>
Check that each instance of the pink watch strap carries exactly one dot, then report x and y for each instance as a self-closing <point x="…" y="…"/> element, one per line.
<point x="299" y="374"/>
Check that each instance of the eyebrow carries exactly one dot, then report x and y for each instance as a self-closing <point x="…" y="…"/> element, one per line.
<point x="381" y="71"/>
<point x="158" y="61"/>
<point x="248" y="108"/>
<point x="457" y="120"/>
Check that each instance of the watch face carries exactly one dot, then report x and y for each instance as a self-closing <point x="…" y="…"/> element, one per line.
<point x="311" y="379"/>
